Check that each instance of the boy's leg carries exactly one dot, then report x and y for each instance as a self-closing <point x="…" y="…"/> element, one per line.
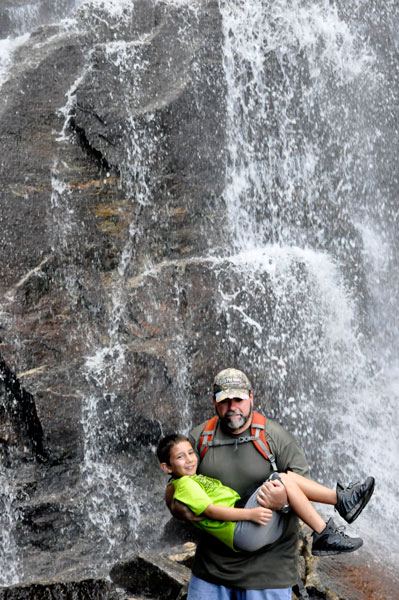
<point x="301" y="504"/>
<point x="315" y="492"/>
<point x="327" y="538"/>
<point x="250" y="536"/>
<point x="349" y="501"/>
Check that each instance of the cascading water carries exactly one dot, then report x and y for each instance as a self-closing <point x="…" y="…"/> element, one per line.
<point x="21" y="17"/>
<point x="303" y="86"/>
<point x="302" y="286"/>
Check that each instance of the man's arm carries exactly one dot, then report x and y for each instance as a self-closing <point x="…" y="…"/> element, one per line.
<point x="178" y="509"/>
<point x="289" y="457"/>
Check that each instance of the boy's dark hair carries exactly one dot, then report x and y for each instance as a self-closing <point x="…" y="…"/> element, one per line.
<point x="166" y="444"/>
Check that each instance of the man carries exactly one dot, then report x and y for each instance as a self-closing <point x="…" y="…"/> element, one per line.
<point x="229" y="454"/>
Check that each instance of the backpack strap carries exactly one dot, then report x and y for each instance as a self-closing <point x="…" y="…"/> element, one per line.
<point x="257" y="436"/>
<point x="300" y="590"/>
<point x="206" y="436"/>
<point x="258" y="433"/>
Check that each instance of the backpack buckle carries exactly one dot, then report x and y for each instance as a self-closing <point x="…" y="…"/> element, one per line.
<point x="243" y="439"/>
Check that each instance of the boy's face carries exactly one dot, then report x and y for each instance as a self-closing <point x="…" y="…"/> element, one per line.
<point x="182" y="460"/>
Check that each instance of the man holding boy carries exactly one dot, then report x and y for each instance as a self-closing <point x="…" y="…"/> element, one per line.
<point x="219" y="573"/>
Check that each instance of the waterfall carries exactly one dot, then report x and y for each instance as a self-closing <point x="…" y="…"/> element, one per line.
<point x="304" y="85"/>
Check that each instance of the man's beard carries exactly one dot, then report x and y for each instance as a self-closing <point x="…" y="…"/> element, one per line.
<point x="234" y="424"/>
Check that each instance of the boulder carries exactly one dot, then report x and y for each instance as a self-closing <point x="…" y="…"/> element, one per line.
<point x="155" y="575"/>
<point x="95" y="589"/>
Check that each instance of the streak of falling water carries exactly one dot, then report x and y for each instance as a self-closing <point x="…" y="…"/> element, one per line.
<point x="10" y="571"/>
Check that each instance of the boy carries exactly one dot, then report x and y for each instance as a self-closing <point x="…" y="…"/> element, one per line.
<point x="253" y="526"/>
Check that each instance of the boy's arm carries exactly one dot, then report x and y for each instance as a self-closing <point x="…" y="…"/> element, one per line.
<point x="178" y="509"/>
<point x="258" y="515"/>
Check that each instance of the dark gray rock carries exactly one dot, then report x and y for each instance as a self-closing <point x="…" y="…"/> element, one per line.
<point x="152" y="575"/>
<point x="20" y="428"/>
<point x="93" y="589"/>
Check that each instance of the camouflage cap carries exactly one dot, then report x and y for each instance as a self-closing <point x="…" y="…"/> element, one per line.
<point x="231" y="383"/>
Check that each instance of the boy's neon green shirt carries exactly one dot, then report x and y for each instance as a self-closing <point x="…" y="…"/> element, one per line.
<point x="198" y="492"/>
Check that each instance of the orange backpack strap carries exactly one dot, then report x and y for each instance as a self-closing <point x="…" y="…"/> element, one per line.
<point x="206" y="436"/>
<point x="259" y="438"/>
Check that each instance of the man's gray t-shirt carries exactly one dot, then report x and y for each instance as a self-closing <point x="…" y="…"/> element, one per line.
<point x="241" y="467"/>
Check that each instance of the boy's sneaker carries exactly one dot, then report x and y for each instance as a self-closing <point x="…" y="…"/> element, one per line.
<point x="332" y="540"/>
<point x="352" y="499"/>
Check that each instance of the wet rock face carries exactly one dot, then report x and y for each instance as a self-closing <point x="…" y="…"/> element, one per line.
<point x="112" y="158"/>
<point x="114" y="161"/>
<point x="149" y="115"/>
<point x="344" y="577"/>
<point x="152" y="107"/>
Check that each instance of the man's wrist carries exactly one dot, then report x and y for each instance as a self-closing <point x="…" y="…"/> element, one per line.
<point x="285" y="508"/>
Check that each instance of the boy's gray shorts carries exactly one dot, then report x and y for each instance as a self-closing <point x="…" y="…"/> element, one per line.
<point x="250" y="536"/>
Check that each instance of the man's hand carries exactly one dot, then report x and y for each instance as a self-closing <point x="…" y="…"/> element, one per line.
<point x="272" y="494"/>
<point x="178" y="509"/>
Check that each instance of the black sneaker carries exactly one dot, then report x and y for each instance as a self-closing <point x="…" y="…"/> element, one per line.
<point x="332" y="540"/>
<point x="352" y="499"/>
